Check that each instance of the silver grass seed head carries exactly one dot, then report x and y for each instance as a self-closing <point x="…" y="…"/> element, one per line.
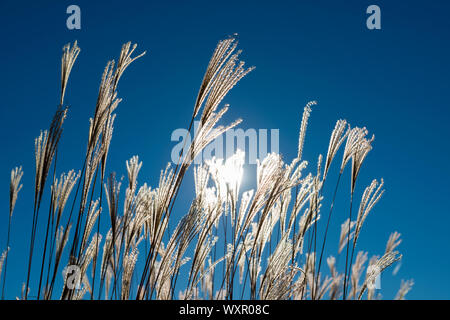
<point x="339" y="134"/>
<point x="354" y="139"/>
<point x="331" y="262"/>
<point x="393" y="242"/>
<point x="357" y="268"/>
<point x="358" y="158"/>
<point x="14" y="188"/>
<point x="90" y="252"/>
<point x="304" y="124"/>
<point x="61" y="239"/>
<point x="68" y="59"/>
<point x="40" y="145"/>
<point x="133" y="168"/>
<point x="378" y="267"/>
<point x="405" y="287"/>
<point x="372" y="194"/>
<point x="61" y="190"/>
<point x="222" y="52"/>
<point x="2" y="259"/>
<point x="345" y="227"/>
<point x="125" y="59"/>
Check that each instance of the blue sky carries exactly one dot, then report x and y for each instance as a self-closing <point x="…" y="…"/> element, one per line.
<point x="395" y="81"/>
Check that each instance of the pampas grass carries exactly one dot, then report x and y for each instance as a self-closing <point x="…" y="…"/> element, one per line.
<point x="262" y="243"/>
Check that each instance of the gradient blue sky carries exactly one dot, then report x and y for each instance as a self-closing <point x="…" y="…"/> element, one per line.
<point x="394" y="81"/>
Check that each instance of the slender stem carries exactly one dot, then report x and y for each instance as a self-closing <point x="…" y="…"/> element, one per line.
<point x="348" y="244"/>
<point x="328" y="223"/>
<point x="7" y="254"/>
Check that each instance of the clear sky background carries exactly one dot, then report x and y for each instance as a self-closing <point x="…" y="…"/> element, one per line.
<point x="395" y="81"/>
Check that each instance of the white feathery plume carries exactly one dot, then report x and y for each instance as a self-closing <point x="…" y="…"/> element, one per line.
<point x="68" y="59"/>
<point x="344" y="233"/>
<point x="371" y="196"/>
<point x="393" y="242"/>
<point x="61" y="190"/>
<point x="229" y="72"/>
<point x="358" y="157"/>
<point x="90" y="221"/>
<point x="336" y="284"/>
<point x="90" y="253"/>
<point x="354" y="139"/>
<point x="133" y="167"/>
<point x="303" y="126"/>
<point x="357" y="269"/>
<point x="405" y="287"/>
<point x="385" y="261"/>
<point x="129" y="263"/>
<point x="40" y="145"/>
<point x="223" y="51"/>
<point x="61" y="240"/>
<point x="2" y="260"/>
<point x="14" y="188"/>
<point x="339" y="134"/>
